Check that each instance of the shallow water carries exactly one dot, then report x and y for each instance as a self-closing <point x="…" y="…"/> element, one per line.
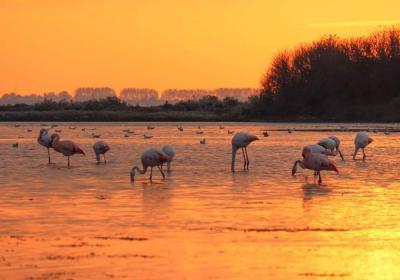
<point x="90" y="221"/>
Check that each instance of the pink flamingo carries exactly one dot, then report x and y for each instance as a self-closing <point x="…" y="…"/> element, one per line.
<point x="240" y="141"/>
<point x="67" y="148"/>
<point x="150" y="158"/>
<point x="314" y="161"/>
<point x="361" y="142"/>
<point x="45" y="140"/>
<point x="331" y="143"/>
<point x="101" y="148"/>
<point x="170" y="152"/>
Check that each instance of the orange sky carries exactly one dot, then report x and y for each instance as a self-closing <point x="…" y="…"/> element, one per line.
<point x="51" y="45"/>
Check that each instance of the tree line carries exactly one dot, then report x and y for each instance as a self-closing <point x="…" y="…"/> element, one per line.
<point x="334" y="79"/>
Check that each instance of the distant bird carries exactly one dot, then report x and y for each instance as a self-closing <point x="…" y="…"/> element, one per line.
<point x="96" y="135"/>
<point x="145" y="136"/>
<point x="170" y="152"/>
<point x="265" y="133"/>
<point x="150" y="158"/>
<point x="128" y="131"/>
<point x="331" y="143"/>
<point x="240" y="141"/>
<point x="314" y="161"/>
<point x="66" y="147"/>
<point x="58" y="130"/>
<point x="15" y="145"/>
<point x="45" y="140"/>
<point x="150" y="127"/>
<point x="126" y="135"/>
<point x="203" y="141"/>
<point x="290" y="130"/>
<point x="72" y="127"/>
<point x="361" y="141"/>
<point x="101" y="148"/>
<point x="180" y="128"/>
<point x="230" y="131"/>
<point x="16" y="125"/>
<point x="83" y="129"/>
<point x="199" y="132"/>
<point x="198" y="127"/>
<point x="29" y="130"/>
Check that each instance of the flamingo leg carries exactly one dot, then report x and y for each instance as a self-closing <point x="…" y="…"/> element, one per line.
<point x="364" y="155"/>
<point x="340" y="154"/>
<point x="48" y="152"/>
<point x="162" y="173"/>
<point x="105" y="161"/>
<point x="247" y="157"/>
<point x="151" y="173"/>
<point x="319" y="178"/>
<point x="244" y="159"/>
<point x="68" y="162"/>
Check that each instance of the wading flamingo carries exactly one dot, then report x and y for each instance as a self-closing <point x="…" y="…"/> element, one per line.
<point x="150" y="158"/>
<point x="240" y="141"/>
<point x="314" y="161"/>
<point x="66" y="147"/>
<point x="45" y="140"/>
<point x="170" y="152"/>
<point x="101" y="148"/>
<point x="361" y="141"/>
<point x="331" y="143"/>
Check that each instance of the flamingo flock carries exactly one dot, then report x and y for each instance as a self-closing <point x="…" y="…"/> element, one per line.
<point x="315" y="157"/>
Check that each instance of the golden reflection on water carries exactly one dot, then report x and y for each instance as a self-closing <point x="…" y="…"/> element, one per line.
<point x="90" y="221"/>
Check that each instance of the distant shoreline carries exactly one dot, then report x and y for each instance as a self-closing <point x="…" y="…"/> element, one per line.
<point x="160" y="116"/>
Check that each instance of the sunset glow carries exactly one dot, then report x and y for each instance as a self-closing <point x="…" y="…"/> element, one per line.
<point x="61" y="45"/>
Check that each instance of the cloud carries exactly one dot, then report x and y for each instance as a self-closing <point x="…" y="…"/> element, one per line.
<point x="344" y="24"/>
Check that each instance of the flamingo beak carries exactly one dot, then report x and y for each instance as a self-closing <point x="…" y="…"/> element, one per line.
<point x="370" y="140"/>
<point x="334" y="168"/>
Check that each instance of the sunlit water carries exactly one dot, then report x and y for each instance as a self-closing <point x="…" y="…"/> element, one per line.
<point x="90" y="221"/>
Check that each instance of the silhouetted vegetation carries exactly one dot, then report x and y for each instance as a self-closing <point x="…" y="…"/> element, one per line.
<point x="208" y="108"/>
<point x="335" y="80"/>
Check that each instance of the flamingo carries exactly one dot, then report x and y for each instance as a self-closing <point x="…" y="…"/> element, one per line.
<point x="150" y="158"/>
<point x="45" y="140"/>
<point x="331" y="143"/>
<point x="361" y="141"/>
<point x="67" y="148"/>
<point x="240" y="141"/>
<point x="314" y="161"/>
<point x="170" y="152"/>
<point x="101" y="148"/>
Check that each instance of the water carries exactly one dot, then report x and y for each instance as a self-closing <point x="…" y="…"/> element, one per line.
<point x="90" y="221"/>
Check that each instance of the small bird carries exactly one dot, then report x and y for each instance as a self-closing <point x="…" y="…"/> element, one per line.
<point x="29" y="130"/>
<point x="180" y="128"/>
<point x="314" y="161"/>
<point x="96" y="135"/>
<point x="361" y="141"/>
<point x="290" y="130"/>
<point x="101" y="148"/>
<point x="15" y="145"/>
<point x="149" y="127"/>
<point x="66" y="147"/>
<point x="126" y="135"/>
<point x="199" y="132"/>
<point x="203" y="141"/>
<point x="145" y="136"/>
<point x="150" y="158"/>
<point x="240" y="141"/>
<point x="265" y="133"/>
<point x="170" y="152"/>
<point x="45" y="140"/>
<point x="230" y="131"/>
<point x="331" y="143"/>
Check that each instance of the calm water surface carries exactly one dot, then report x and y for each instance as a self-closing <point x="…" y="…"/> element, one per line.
<point x="90" y="221"/>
